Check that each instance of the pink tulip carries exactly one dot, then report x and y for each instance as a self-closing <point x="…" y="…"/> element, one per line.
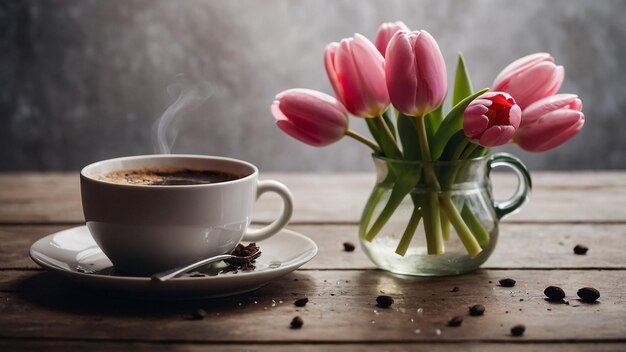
<point x="386" y="32"/>
<point x="550" y="122"/>
<point x="530" y="78"/>
<point x="310" y="116"/>
<point x="491" y="119"/>
<point x="416" y="73"/>
<point x="356" y="72"/>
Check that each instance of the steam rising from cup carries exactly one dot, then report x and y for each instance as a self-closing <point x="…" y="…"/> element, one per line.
<point x="189" y="95"/>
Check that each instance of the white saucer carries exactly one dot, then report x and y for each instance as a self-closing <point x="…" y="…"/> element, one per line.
<point x="74" y="254"/>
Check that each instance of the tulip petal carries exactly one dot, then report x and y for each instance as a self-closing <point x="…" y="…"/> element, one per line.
<point x="400" y="73"/>
<point x="291" y="129"/>
<point x="562" y="137"/>
<point x="475" y="126"/>
<point x="310" y="116"/>
<point x="535" y="83"/>
<point x="550" y="130"/>
<point x="558" y="81"/>
<point x="543" y="106"/>
<point x="496" y="135"/>
<point x="371" y="68"/>
<point x="331" y="71"/>
<point x="516" y="67"/>
<point x="386" y="32"/>
<point x="350" y="78"/>
<point x="478" y="109"/>
<point x="515" y="116"/>
<point x="430" y="71"/>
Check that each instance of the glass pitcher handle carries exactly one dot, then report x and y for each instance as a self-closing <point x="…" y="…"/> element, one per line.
<point x="524" y="185"/>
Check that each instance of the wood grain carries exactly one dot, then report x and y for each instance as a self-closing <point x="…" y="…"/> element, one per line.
<point x="518" y="246"/>
<point x="96" y="346"/>
<point x="341" y="309"/>
<point x="335" y="198"/>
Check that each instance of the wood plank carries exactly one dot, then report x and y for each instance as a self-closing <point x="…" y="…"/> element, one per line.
<point x="336" y="198"/>
<point x="341" y="310"/>
<point x="50" y="197"/>
<point x="97" y="346"/>
<point x="547" y="246"/>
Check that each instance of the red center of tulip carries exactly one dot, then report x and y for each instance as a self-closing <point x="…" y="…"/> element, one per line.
<point x="498" y="113"/>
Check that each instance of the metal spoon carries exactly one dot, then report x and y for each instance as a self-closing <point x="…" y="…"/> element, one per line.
<point x="234" y="260"/>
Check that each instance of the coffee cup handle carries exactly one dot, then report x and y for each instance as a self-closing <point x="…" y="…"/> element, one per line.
<point x="255" y="235"/>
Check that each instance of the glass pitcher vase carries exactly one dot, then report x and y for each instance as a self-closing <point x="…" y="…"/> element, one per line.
<point x="439" y="218"/>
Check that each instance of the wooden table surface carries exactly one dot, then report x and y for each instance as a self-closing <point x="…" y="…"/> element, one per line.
<point x="39" y="310"/>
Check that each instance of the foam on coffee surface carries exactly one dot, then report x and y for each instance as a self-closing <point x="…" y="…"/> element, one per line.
<point x="166" y="176"/>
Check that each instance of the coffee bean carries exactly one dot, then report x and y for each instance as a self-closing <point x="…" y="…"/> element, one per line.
<point x="588" y="294"/>
<point x="297" y="322"/>
<point x="348" y="247"/>
<point x="476" y="310"/>
<point x="518" y="330"/>
<point x="301" y="302"/>
<point x="580" y="249"/>
<point x="507" y="282"/>
<point x="198" y="314"/>
<point x="554" y="293"/>
<point x="384" y="301"/>
<point x="455" y="321"/>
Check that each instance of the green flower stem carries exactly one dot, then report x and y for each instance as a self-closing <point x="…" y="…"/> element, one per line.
<point x="388" y="141"/>
<point x="432" y="220"/>
<point x="466" y="236"/>
<point x="481" y="235"/>
<point x="407" y="236"/>
<point x="432" y="223"/>
<point x="364" y="140"/>
<point x="445" y="225"/>
<point x="389" y="123"/>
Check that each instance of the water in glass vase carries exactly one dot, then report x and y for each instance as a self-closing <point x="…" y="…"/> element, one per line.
<point x="414" y="226"/>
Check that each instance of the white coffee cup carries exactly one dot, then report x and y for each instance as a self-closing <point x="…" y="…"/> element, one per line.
<point x="145" y="229"/>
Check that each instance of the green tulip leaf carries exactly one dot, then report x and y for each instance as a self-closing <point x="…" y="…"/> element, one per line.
<point x="457" y="139"/>
<point x="451" y="124"/>
<point x="384" y="139"/>
<point x="462" y="82"/>
<point x="408" y="137"/>
<point x="434" y="118"/>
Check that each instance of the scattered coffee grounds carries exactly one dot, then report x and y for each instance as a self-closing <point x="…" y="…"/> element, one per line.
<point x="297" y="322"/>
<point x="518" y="330"/>
<point x="588" y="294"/>
<point x="348" y="247"/>
<point x="301" y="302"/>
<point x="198" y="314"/>
<point x="476" y="310"/>
<point x="455" y="321"/>
<point x="243" y="251"/>
<point x="580" y="249"/>
<point x="507" y="282"/>
<point x="455" y="289"/>
<point x="554" y="293"/>
<point x="384" y="301"/>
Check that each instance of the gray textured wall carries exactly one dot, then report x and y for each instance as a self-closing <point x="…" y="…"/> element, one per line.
<point x="85" y="80"/>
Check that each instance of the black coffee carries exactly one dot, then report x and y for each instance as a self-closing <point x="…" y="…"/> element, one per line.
<point x="167" y="176"/>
